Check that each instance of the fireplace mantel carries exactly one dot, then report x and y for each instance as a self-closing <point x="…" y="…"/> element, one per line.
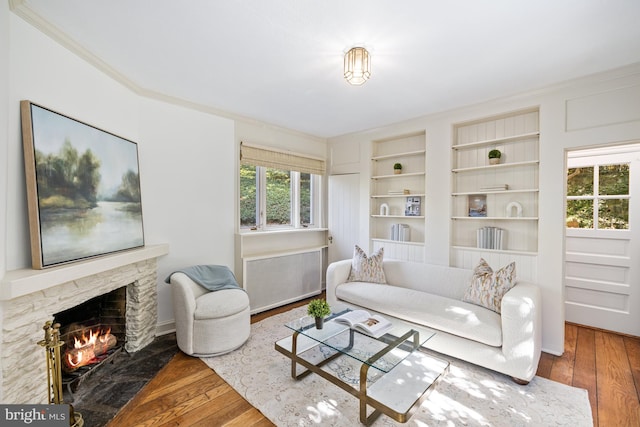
<point x="21" y="282"/>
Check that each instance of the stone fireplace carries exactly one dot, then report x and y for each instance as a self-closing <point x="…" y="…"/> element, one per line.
<point x="31" y="297"/>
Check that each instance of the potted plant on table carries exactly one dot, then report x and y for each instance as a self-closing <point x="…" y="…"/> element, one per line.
<point x="397" y="168"/>
<point x="494" y="156"/>
<point x="319" y="309"/>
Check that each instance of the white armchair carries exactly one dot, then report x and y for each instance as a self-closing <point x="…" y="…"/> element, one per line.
<point x="209" y="323"/>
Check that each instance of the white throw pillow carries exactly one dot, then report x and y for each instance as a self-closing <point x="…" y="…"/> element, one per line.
<point x="367" y="269"/>
<point x="488" y="287"/>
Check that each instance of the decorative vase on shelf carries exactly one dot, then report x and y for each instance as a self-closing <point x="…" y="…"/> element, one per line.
<point x="514" y="210"/>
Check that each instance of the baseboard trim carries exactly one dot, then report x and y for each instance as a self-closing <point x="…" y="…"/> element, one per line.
<point x="555" y="353"/>
<point x="164" y="328"/>
<point x="621" y="334"/>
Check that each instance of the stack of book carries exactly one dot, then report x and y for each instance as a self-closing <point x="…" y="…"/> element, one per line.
<point x="490" y="238"/>
<point x="401" y="232"/>
<point x="496" y="187"/>
<point x="398" y="192"/>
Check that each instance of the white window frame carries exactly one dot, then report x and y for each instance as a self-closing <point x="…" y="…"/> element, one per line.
<point x="596" y="162"/>
<point x="261" y="202"/>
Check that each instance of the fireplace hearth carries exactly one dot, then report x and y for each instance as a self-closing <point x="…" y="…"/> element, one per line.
<point x="111" y="387"/>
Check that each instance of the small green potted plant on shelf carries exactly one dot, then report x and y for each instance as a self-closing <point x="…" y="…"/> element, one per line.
<point x="318" y="309"/>
<point x="397" y="168"/>
<point x="494" y="156"/>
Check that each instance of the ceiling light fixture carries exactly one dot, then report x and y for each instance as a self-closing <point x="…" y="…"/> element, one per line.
<point x="357" y="66"/>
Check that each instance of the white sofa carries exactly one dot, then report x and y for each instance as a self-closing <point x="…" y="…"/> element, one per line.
<point x="431" y="295"/>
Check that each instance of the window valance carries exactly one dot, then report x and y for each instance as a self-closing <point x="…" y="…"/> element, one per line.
<point x="267" y="157"/>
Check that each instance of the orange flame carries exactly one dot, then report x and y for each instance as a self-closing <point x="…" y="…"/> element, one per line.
<point x="85" y="346"/>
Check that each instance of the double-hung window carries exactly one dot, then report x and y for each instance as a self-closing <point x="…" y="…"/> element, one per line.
<point x="279" y="189"/>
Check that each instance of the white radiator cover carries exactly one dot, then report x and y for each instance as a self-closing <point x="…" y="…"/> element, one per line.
<point x="278" y="279"/>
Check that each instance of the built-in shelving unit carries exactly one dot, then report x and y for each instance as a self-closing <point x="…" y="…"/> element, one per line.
<point x="391" y="192"/>
<point x="495" y="206"/>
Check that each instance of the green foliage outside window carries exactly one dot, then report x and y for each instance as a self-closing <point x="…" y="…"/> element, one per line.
<point x="612" y="212"/>
<point x="580" y="181"/>
<point x="305" y="198"/>
<point x="248" y="196"/>
<point x="614" y="180"/>
<point x="278" y="197"/>
<point x="580" y="213"/>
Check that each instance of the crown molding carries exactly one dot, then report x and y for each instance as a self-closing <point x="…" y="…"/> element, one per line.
<point x="22" y="9"/>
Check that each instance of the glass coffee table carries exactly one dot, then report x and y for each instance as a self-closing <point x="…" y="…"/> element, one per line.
<point x="395" y="376"/>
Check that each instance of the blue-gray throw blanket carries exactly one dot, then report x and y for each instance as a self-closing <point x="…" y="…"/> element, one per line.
<point x="211" y="277"/>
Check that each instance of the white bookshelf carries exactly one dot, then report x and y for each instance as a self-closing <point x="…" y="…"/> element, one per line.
<point x="509" y="189"/>
<point x="392" y="190"/>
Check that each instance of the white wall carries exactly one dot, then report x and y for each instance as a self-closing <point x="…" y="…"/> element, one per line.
<point x="46" y="73"/>
<point x="272" y="136"/>
<point x="4" y="146"/>
<point x="597" y="110"/>
<point x="188" y="157"/>
<point x="187" y="176"/>
<point x="4" y="122"/>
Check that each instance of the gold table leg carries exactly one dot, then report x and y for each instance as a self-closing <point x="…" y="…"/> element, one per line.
<point x="295" y="359"/>
<point x="361" y="393"/>
<point x="379" y="408"/>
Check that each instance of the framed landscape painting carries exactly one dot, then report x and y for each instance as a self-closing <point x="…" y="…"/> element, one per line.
<point x="83" y="188"/>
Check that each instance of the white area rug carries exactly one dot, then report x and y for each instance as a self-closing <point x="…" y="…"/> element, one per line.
<point x="467" y="396"/>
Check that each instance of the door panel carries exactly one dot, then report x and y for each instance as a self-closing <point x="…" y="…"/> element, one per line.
<point x="602" y="267"/>
<point x="344" y="215"/>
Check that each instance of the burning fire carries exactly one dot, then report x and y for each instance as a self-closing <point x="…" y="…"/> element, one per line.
<point x="88" y="347"/>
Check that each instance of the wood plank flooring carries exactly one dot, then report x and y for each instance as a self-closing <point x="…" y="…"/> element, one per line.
<point x="604" y="363"/>
<point x="186" y="392"/>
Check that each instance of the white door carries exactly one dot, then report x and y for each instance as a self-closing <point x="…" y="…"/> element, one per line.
<point x="344" y="215"/>
<point x="602" y="265"/>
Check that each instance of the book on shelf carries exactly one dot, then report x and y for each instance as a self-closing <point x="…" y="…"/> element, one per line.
<point x="497" y="187"/>
<point x="490" y="238"/>
<point x="401" y="232"/>
<point x="365" y="322"/>
<point x="412" y="208"/>
<point x="398" y="192"/>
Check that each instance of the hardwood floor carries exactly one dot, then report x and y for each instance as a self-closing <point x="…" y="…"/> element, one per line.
<point x="604" y="363"/>
<point x="187" y="393"/>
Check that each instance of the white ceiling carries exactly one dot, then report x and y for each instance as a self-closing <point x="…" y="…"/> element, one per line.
<point x="280" y="61"/>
